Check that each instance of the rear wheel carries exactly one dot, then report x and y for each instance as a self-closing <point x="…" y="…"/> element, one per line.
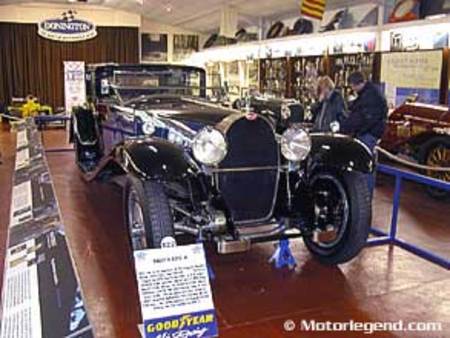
<point x="436" y="153"/>
<point x="148" y="215"/>
<point x="342" y="216"/>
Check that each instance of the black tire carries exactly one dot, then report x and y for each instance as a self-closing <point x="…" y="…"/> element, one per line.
<point x="303" y="26"/>
<point x="275" y="30"/>
<point x="425" y="152"/>
<point x="211" y="40"/>
<point x="354" y="238"/>
<point x="156" y="212"/>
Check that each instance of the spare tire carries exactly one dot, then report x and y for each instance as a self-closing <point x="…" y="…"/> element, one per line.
<point x="303" y="26"/>
<point x="211" y="40"/>
<point x="275" y="30"/>
<point x="240" y="34"/>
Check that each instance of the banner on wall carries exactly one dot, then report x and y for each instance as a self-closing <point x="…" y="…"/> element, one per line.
<point x="67" y="28"/>
<point x="74" y="84"/>
<point x="413" y="73"/>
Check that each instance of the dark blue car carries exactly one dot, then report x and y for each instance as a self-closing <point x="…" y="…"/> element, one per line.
<point x="219" y="174"/>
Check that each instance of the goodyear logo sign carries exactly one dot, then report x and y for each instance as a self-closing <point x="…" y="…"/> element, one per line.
<point x="196" y="325"/>
<point x="67" y="28"/>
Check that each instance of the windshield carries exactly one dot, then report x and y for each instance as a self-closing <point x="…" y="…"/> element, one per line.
<point x="171" y="81"/>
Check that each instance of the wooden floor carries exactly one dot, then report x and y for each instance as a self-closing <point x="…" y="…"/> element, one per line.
<point x="252" y="299"/>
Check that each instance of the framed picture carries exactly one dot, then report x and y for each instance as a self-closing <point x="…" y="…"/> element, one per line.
<point x="153" y="47"/>
<point x="184" y="45"/>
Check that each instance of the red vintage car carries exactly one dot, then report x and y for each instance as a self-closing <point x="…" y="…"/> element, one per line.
<point x="423" y="132"/>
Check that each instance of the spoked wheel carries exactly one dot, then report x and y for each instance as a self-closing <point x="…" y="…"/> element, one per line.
<point x="439" y="156"/>
<point x="342" y="214"/>
<point x="148" y="215"/>
<point x="436" y="153"/>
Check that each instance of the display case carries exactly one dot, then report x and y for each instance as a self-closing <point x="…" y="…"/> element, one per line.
<point x="213" y="80"/>
<point x="274" y="77"/>
<point x="305" y="72"/>
<point x="341" y="66"/>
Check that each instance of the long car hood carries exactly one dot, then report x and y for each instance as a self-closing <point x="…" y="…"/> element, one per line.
<point x="197" y="117"/>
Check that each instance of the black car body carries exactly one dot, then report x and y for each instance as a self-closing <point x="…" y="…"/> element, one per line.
<point x="216" y="173"/>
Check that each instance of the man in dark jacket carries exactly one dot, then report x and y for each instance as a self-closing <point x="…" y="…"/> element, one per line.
<point x="368" y="114"/>
<point x="330" y="108"/>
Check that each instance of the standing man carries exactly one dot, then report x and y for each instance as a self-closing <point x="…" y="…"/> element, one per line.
<point x="368" y="114"/>
<point x="331" y="106"/>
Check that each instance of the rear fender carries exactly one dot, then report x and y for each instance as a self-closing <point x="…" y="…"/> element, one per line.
<point x="340" y="152"/>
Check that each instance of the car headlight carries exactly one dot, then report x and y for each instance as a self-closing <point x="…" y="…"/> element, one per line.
<point x="295" y="144"/>
<point x="209" y="146"/>
<point x="148" y="128"/>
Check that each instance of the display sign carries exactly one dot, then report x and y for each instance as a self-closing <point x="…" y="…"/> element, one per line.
<point x="41" y="295"/>
<point x="67" y="28"/>
<point x="412" y="73"/>
<point x="175" y="294"/>
<point x="74" y="84"/>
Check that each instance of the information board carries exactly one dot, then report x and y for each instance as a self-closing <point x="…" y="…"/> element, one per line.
<point x="408" y="73"/>
<point x="175" y="294"/>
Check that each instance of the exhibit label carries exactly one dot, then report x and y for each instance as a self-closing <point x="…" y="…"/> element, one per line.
<point x="175" y="294"/>
<point x="67" y="28"/>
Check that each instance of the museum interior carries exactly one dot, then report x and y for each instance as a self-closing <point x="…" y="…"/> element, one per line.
<point x="224" y="168"/>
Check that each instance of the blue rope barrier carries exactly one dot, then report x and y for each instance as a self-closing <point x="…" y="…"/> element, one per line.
<point x="391" y="237"/>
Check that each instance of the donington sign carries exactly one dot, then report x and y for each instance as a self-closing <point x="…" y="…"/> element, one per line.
<point x="67" y="28"/>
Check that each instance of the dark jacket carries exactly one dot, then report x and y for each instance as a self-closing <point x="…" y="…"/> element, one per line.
<point x="329" y="110"/>
<point x="368" y="113"/>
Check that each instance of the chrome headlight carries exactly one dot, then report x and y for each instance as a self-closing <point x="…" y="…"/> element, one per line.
<point x="295" y="144"/>
<point x="209" y="146"/>
<point x="148" y="128"/>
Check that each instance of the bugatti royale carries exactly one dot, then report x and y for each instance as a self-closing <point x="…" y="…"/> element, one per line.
<point x="218" y="174"/>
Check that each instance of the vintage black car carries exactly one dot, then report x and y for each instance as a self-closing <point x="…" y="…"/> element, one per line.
<point x="219" y="174"/>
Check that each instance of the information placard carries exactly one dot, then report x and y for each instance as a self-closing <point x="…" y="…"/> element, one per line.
<point x="74" y="84"/>
<point x="175" y="294"/>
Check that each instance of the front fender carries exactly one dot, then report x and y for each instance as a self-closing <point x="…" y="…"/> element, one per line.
<point x="156" y="159"/>
<point x="340" y="152"/>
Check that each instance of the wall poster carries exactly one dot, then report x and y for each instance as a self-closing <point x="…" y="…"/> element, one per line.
<point x="153" y="47"/>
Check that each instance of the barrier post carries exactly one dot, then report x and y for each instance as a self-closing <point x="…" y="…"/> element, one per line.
<point x="395" y="207"/>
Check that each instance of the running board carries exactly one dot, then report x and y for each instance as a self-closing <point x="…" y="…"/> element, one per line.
<point x="225" y="247"/>
<point x="89" y="176"/>
<point x="248" y="235"/>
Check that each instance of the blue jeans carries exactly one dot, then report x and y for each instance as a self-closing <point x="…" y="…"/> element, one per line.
<point x="370" y="141"/>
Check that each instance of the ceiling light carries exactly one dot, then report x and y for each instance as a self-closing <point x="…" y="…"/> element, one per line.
<point x="168" y="7"/>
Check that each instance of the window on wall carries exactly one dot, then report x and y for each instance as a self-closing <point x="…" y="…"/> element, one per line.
<point x="153" y="47"/>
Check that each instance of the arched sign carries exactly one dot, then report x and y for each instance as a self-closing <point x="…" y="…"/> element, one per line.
<point x="67" y="28"/>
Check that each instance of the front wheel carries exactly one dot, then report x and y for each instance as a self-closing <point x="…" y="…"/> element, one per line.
<point x="342" y="216"/>
<point x="148" y="215"/>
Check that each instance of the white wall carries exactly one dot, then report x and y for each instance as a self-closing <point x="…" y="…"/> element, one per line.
<point x="36" y="12"/>
<point x="100" y="16"/>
